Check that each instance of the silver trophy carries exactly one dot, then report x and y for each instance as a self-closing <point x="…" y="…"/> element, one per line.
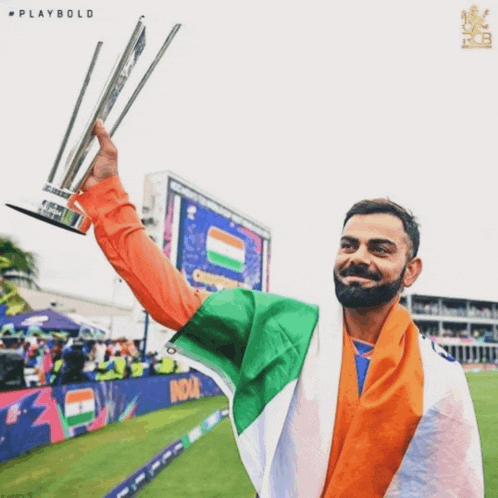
<point x="56" y="202"/>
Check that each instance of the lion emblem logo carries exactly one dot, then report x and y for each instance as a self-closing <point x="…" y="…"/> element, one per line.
<point x="474" y="29"/>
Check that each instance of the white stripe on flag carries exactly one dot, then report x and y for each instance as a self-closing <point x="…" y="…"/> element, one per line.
<point x="77" y="407"/>
<point x="225" y="249"/>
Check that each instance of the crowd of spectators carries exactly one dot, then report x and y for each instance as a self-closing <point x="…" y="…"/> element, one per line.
<point x="447" y="309"/>
<point x="425" y="308"/>
<point x="57" y="361"/>
<point x="483" y="312"/>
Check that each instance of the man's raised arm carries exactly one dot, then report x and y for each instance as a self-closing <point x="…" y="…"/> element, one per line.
<point x="156" y="283"/>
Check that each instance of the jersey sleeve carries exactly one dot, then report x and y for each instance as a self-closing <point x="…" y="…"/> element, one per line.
<point x="156" y="283"/>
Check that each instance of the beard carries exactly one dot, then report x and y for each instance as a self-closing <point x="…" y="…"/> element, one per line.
<point x="356" y="296"/>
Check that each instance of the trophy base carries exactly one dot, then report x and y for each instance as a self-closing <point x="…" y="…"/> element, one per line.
<point x="55" y="214"/>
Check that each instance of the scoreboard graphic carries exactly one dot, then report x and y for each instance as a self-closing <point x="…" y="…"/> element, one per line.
<point x="212" y="245"/>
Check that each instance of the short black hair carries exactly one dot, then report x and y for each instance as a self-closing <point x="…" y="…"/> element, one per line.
<point x="385" y="205"/>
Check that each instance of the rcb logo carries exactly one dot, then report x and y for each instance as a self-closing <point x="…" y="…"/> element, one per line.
<point x="474" y="29"/>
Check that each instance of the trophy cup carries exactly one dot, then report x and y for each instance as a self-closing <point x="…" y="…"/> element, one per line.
<point x="56" y="203"/>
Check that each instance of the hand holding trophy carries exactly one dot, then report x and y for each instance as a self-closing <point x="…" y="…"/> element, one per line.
<point x="56" y="204"/>
<point x="105" y="164"/>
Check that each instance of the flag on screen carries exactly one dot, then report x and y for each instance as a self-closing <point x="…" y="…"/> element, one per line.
<point x="79" y="407"/>
<point x="224" y="249"/>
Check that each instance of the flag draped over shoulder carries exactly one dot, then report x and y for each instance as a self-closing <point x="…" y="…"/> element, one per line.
<point x="256" y="342"/>
<point x="282" y="376"/>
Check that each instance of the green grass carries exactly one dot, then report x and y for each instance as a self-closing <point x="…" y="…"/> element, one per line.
<point x="91" y="465"/>
<point x="211" y="468"/>
<point x="484" y="391"/>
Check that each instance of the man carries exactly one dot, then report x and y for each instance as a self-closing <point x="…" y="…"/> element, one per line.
<point x="364" y="408"/>
<point x="73" y="363"/>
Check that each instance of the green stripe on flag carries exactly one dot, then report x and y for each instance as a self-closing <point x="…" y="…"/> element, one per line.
<point x="220" y="260"/>
<point x="258" y="340"/>
<point x="80" y="419"/>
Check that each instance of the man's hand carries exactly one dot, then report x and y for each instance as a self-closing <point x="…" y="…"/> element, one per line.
<point x="106" y="163"/>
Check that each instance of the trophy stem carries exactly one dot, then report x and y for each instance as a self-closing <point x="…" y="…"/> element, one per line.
<point x="134" y="48"/>
<point x="146" y="76"/>
<point x="53" y="171"/>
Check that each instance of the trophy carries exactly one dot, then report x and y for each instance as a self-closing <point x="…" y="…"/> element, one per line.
<point x="56" y="203"/>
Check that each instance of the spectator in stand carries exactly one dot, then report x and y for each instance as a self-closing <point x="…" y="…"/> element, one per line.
<point x="105" y="369"/>
<point x="150" y="360"/>
<point x="116" y="347"/>
<point x="57" y="350"/>
<point x="121" y="368"/>
<point x="31" y="356"/>
<point x="87" y="347"/>
<point x="47" y="363"/>
<point x="132" y="349"/>
<point x="56" y="371"/>
<point x="136" y="344"/>
<point x="50" y="342"/>
<point x="108" y="349"/>
<point x="166" y="366"/>
<point x="26" y="347"/>
<point x="20" y="348"/>
<point x="137" y="369"/>
<point x="99" y="351"/>
<point x="72" y="369"/>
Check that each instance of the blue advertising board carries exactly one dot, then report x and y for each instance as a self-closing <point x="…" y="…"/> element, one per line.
<point x="30" y="418"/>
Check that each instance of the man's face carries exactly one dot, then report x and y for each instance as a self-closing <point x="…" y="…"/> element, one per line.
<point x="371" y="263"/>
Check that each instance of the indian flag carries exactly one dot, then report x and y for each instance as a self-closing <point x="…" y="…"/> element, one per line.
<point x="79" y="407"/>
<point x="266" y="338"/>
<point x="224" y="249"/>
<point x="281" y="378"/>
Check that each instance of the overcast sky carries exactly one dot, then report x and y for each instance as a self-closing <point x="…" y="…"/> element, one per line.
<point x="287" y="111"/>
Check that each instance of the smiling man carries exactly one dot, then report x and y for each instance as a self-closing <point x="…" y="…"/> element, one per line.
<point x="376" y="260"/>
<point x="365" y="407"/>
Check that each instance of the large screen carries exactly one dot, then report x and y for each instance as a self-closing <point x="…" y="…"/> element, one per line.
<point x="214" y="247"/>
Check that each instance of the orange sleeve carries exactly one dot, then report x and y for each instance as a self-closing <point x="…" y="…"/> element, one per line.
<point x="156" y="283"/>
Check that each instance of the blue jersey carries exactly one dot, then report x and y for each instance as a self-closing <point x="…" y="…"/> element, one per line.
<point x="363" y="353"/>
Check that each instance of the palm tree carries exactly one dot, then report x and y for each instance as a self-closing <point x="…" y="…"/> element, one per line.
<point x="16" y="265"/>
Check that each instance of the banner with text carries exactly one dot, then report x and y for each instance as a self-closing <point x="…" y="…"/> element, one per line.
<point x="34" y="417"/>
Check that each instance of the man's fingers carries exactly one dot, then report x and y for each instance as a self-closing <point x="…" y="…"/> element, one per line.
<point x="104" y="139"/>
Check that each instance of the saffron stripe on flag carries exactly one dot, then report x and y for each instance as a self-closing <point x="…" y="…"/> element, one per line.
<point x="226" y="237"/>
<point x="79" y="395"/>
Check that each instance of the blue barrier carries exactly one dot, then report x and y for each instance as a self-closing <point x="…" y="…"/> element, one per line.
<point x="34" y="417"/>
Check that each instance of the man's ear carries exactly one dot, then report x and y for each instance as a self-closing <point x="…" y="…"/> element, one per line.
<point x="413" y="270"/>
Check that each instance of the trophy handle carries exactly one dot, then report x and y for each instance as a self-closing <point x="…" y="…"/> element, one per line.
<point x="53" y="171"/>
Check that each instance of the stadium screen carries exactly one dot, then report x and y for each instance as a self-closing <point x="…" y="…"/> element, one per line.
<point x="214" y="247"/>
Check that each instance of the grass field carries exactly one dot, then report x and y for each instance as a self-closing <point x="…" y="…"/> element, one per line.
<point x="484" y="391"/>
<point x="91" y="465"/>
<point x="211" y="468"/>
